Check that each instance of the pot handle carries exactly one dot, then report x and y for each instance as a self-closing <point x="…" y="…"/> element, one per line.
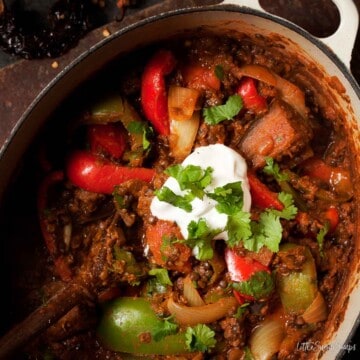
<point x="342" y="41"/>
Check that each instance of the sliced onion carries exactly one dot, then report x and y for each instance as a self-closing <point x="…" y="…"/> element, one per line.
<point x="317" y="311"/>
<point x="266" y="339"/>
<point x="187" y="315"/>
<point x="182" y="102"/>
<point x="191" y="294"/>
<point x="290" y="93"/>
<point x="258" y="72"/>
<point x="182" y="136"/>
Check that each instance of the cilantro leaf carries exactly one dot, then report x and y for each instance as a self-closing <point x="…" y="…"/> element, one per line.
<point x="290" y="210"/>
<point x="259" y="286"/>
<point x="216" y="114"/>
<point x="320" y="237"/>
<point x="230" y="198"/>
<point x="200" y="338"/>
<point x="162" y="276"/>
<point x="272" y="168"/>
<point x="241" y="310"/>
<point x="164" y="328"/>
<point x="139" y="127"/>
<point x="191" y="177"/>
<point x="219" y="72"/>
<point x="239" y="228"/>
<point x="267" y="231"/>
<point x="248" y="354"/>
<point x="182" y="202"/>
<point x="199" y="238"/>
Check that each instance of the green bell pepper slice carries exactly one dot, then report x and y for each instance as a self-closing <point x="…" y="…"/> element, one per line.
<point x="298" y="289"/>
<point x="127" y="320"/>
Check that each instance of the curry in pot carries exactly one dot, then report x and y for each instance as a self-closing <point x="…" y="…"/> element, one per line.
<point x="202" y="197"/>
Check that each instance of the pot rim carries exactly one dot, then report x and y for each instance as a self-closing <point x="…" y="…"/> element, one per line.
<point x="174" y="13"/>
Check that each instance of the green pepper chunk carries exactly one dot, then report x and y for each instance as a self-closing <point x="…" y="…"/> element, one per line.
<point x="127" y="326"/>
<point x="298" y="289"/>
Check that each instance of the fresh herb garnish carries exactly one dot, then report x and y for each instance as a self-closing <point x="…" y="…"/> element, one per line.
<point x="167" y="195"/>
<point x="219" y="72"/>
<point x="267" y="231"/>
<point x="216" y="114"/>
<point x="200" y="338"/>
<point x="165" y="328"/>
<point x="248" y="354"/>
<point x="230" y="198"/>
<point x="239" y="228"/>
<point x="259" y="286"/>
<point x="240" y="311"/>
<point x="290" y="210"/>
<point x="200" y="237"/>
<point x="272" y="168"/>
<point x="138" y="127"/>
<point x="191" y="177"/>
<point x="162" y="276"/>
<point x="320" y="237"/>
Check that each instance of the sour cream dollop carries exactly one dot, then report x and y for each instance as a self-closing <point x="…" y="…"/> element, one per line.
<point x="228" y="167"/>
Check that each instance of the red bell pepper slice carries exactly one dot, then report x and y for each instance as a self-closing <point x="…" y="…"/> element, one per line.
<point x="316" y="168"/>
<point x="153" y="90"/>
<point x="262" y="196"/>
<point x="61" y="265"/>
<point x="91" y="173"/>
<point x="250" y="96"/>
<point x="199" y="77"/>
<point x="107" y="138"/>
<point x="242" y="268"/>
<point x="332" y="216"/>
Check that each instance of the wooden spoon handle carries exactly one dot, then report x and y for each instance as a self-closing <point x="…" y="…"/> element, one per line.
<point x="42" y="318"/>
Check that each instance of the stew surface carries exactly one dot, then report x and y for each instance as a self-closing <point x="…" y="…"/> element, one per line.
<point x="198" y="195"/>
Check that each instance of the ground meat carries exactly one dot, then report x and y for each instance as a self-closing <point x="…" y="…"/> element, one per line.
<point x="290" y="260"/>
<point x="234" y="332"/>
<point x="210" y="135"/>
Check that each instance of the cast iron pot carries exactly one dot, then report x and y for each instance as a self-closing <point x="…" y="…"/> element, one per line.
<point x="331" y="56"/>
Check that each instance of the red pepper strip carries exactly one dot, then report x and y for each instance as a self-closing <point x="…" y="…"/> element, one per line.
<point x="153" y="90"/>
<point x="107" y="138"/>
<point x="242" y="268"/>
<point x="261" y="195"/>
<point x="199" y="77"/>
<point x="316" y="168"/>
<point x="250" y="96"/>
<point x="61" y="266"/>
<point x="91" y="173"/>
<point x="332" y="215"/>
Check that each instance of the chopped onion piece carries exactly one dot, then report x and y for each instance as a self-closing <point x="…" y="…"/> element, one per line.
<point x="182" y="136"/>
<point x="292" y="95"/>
<point x="182" y="102"/>
<point x="258" y="72"/>
<point x="266" y="339"/>
<point x="191" y="294"/>
<point x="317" y="311"/>
<point x="187" y="315"/>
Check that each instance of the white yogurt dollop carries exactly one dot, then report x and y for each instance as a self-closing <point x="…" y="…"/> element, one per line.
<point x="228" y="167"/>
